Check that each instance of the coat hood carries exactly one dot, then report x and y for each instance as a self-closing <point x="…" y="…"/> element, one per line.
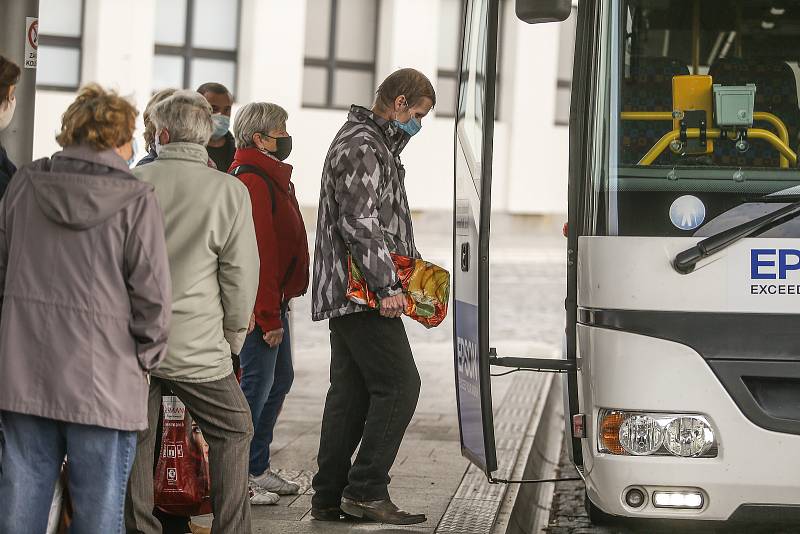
<point x="80" y="188"/>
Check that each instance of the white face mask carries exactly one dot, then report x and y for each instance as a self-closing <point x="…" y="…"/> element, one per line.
<point x="7" y="113"/>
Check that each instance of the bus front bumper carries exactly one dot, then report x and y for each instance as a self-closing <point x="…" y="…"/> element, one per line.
<point x="755" y="473"/>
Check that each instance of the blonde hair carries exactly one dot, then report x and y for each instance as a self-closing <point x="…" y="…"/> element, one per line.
<point x="149" y="129"/>
<point x="98" y="118"/>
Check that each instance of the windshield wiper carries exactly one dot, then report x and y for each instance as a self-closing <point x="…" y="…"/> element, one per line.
<point x="774" y="198"/>
<point x="685" y="261"/>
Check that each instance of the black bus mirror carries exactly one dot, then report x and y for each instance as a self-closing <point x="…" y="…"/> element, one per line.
<point x="536" y="11"/>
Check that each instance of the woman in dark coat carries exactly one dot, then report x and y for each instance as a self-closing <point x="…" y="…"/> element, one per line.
<point x="9" y="76"/>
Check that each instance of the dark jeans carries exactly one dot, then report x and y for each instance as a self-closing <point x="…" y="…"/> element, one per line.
<point x="373" y="394"/>
<point x="267" y="376"/>
<point x="100" y="462"/>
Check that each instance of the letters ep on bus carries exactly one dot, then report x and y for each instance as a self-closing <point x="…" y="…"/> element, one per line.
<point x="765" y="261"/>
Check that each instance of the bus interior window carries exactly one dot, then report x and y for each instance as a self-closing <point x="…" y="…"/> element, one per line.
<point x="738" y="43"/>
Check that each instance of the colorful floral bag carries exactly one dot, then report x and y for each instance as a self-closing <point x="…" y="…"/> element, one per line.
<point x="426" y="287"/>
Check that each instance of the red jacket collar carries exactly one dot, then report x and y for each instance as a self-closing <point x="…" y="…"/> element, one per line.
<point x="277" y="170"/>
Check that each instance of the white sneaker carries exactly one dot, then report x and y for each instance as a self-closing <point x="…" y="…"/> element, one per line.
<point x="272" y="482"/>
<point x="259" y="495"/>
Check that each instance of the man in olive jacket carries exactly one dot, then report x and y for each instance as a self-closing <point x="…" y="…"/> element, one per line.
<point x="214" y="266"/>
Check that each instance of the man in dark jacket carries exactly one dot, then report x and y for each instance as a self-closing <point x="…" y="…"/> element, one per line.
<point x="363" y="212"/>
<point x="221" y="147"/>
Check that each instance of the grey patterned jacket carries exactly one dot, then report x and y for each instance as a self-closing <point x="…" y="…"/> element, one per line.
<point x="362" y="208"/>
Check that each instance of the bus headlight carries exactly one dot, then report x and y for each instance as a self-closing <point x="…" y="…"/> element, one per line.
<point x="688" y="436"/>
<point x="640" y="435"/>
<point x="661" y="434"/>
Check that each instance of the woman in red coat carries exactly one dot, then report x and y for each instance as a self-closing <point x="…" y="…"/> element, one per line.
<point x="262" y="145"/>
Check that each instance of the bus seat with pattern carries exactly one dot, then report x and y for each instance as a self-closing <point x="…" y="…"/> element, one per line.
<point x="649" y="88"/>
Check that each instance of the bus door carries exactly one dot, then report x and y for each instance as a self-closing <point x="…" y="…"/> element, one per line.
<point x="473" y="194"/>
<point x="473" y="165"/>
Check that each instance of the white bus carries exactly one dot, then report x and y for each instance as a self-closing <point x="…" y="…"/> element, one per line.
<point x="682" y="353"/>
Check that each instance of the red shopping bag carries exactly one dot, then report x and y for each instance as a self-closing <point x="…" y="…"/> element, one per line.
<point x="182" y="482"/>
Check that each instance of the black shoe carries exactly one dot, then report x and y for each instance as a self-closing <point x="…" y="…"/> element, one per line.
<point x="333" y="513"/>
<point x="383" y="511"/>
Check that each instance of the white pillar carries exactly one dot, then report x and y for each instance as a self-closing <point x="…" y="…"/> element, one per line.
<point x="271" y="52"/>
<point x="408" y="37"/>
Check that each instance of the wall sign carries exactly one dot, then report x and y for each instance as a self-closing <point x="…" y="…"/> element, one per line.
<point x="31" y="42"/>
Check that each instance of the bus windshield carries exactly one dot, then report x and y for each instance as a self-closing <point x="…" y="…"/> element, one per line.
<point x="701" y="115"/>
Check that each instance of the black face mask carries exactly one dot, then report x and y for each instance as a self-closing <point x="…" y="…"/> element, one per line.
<point x="284" y="147"/>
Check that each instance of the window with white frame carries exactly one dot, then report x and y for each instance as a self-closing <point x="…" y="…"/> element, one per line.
<point x="340" y="49"/>
<point x="451" y="20"/>
<point x="566" y="51"/>
<point x="196" y="42"/>
<point x="60" y="44"/>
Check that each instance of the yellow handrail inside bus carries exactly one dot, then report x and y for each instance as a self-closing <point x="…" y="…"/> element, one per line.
<point x="716" y="133"/>
<point x="783" y="132"/>
<point x="774" y="120"/>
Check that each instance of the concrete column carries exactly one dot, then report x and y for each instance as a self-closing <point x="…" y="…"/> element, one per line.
<point x="18" y="137"/>
<point x="271" y="52"/>
<point x="408" y="37"/>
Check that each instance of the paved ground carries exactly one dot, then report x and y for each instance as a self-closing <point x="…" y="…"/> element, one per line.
<point x="527" y="300"/>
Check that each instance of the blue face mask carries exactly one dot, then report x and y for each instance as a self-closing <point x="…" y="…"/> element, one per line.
<point x="412" y="127"/>
<point x="134" y="148"/>
<point x="222" y="124"/>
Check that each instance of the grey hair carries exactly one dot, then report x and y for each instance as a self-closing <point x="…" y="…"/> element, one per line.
<point x="257" y="117"/>
<point x="187" y="117"/>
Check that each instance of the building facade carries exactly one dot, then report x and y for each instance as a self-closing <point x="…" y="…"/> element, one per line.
<point x="315" y="58"/>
